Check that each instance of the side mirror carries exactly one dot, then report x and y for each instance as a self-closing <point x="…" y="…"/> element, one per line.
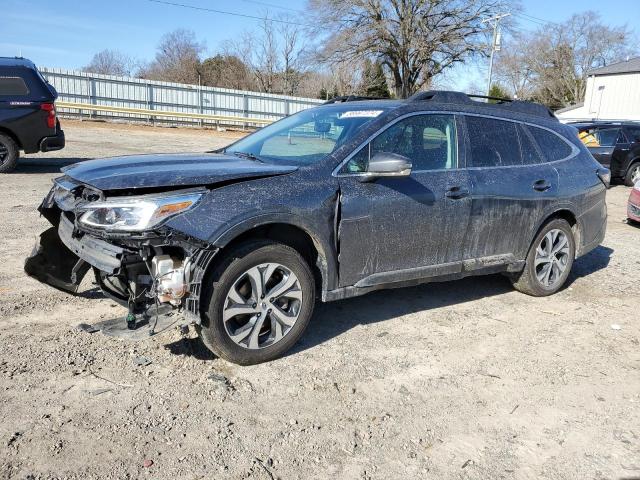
<point x="384" y="164"/>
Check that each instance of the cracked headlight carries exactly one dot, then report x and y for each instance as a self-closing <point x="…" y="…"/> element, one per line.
<point x="135" y="214"/>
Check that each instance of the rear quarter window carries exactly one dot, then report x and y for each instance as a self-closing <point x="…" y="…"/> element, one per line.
<point x="634" y="134"/>
<point x="551" y="146"/>
<point x="13" y="86"/>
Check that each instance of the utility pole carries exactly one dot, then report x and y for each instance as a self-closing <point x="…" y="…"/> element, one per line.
<point x="495" y="43"/>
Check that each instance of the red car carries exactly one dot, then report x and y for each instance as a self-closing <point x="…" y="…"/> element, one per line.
<point x="633" y="208"/>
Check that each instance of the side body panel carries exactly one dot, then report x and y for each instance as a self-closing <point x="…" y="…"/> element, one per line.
<point x="506" y="209"/>
<point x="395" y="224"/>
<point x="582" y="193"/>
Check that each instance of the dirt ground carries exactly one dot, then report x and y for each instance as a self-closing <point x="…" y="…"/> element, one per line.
<point x="459" y="380"/>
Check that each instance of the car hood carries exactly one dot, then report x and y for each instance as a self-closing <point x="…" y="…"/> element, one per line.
<point x="169" y="170"/>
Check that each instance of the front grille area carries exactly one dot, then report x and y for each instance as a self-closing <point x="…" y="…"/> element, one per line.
<point x="633" y="210"/>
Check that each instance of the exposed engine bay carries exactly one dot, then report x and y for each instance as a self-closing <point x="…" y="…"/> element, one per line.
<point x="149" y="270"/>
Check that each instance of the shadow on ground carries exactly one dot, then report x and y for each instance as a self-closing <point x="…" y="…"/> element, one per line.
<point x="595" y="260"/>
<point x="45" y="164"/>
<point x="332" y="319"/>
<point x="192" y="347"/>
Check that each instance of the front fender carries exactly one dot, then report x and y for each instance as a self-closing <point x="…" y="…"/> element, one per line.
<point x="321" y="235"/>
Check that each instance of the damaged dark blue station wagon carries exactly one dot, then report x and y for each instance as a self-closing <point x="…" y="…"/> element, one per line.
<point x="329" y="203"/>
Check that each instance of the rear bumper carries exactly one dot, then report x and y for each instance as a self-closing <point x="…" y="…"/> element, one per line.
<point x="49" y="144"/>
<point x="633" y="206"/>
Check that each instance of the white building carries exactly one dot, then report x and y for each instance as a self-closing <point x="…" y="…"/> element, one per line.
<point x="613" y="93"/>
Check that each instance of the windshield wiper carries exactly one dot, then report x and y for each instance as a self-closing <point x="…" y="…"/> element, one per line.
<point x="250" y="156"/>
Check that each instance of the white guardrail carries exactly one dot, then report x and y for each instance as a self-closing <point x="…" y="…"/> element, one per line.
<point x="135" y="99"/>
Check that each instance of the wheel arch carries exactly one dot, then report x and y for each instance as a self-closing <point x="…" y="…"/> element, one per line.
<point x="564" y="213"/>
<point x="314" y="250"/>
<point x="12" y="135"/>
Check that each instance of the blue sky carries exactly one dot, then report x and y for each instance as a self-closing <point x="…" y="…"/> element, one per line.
<point x="66" y="33"/>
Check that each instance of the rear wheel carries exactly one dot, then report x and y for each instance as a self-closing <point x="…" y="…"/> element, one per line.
<point x="549" y="260"/>
<point x="9" y="153"/>
<point x="259" y="302"/>
<point x="633" y="175"/>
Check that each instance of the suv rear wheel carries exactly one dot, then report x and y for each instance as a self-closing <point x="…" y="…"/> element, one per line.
<point x="549" y="260"/>
<point x="8" y="153"/>
<point x="633" y="175"/>
<point x="259" y="302"/>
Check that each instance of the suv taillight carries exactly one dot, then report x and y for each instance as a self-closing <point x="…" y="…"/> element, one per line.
<point x="51" y="118"/>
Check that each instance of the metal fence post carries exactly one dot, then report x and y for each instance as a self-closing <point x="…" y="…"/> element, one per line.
<point x="287" y="108"/>
<point x="245" y="109"/>
<point x="150" y="101"/>
<point x="92" y="96"/>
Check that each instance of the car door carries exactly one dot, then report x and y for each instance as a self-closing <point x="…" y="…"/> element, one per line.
<point x="608" y="138"/>
<point x="509" y="190"/>
<point x="405" y="228"/>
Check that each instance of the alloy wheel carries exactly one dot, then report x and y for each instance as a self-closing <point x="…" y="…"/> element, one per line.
<point x="552" y="258"/>
<point x="635" y="174"/>
<point x="262" y="306"/>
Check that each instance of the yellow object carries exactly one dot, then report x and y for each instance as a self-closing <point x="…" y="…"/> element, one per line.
<point x="588" y="139"/>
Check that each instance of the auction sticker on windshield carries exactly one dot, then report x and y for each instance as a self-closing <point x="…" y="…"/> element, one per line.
<point x="360" y="114"/>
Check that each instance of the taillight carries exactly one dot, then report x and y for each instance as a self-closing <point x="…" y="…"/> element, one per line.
<point x="604" y="174"/>
<point x="51" y="118"/>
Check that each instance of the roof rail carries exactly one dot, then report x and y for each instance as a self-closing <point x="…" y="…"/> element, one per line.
<point x="444" y="96"/>
<point x="351" y="98"/>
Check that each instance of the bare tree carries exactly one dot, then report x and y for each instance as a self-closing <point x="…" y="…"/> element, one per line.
<point x="259" y="51"/>
<point x="177" y="58"/>
<point x="514" y="68"/>
<point x="291" y="52"/>
<point x="551" y="64"/>
<point x="414" y="39"/>
<point x="111" y="62"/>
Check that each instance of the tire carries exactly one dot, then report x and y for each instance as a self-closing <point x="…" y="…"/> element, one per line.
<point x="9" y="153"/>
<point x="233" y="287"/>
<point x="633" y="174"/>
<point x="528" y="280"/>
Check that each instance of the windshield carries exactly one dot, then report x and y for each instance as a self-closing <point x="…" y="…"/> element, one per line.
<point x="306" y="137"/>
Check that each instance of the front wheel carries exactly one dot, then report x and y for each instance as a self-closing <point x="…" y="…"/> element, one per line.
<point x="259" y="302"/>
<point x="549" y="260"/>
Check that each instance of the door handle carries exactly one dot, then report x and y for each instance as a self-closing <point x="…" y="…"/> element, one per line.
<point x="541" y="186"/>
<point x="456" y="193"/>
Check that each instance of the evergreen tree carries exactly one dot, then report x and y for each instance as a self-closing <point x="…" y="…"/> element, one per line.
<point x="498" y="92"/>
<point x="374" y="81"/>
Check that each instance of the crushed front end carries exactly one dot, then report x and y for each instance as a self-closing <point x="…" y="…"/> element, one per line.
<point x="137" y="261"/>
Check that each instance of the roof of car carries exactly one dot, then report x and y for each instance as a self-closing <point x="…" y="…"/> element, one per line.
<point x="16" y="62"/>
<point x="449" y="100"/>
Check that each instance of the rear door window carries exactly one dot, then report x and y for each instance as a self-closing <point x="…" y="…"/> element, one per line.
<point x="13" y="86"/>
<point x="553" y="147"/>
<point x="608" y="137"/>
<point x="493" y="142"/>
<point x="530" y="153"/>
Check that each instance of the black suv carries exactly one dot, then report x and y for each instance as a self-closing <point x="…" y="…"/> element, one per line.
<point x="27" y="112"/>
<point x="329" y="203"/>
<point x="616" y="145"/>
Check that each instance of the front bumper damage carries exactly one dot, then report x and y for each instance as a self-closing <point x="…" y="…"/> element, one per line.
<point x="160" y="270"/>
